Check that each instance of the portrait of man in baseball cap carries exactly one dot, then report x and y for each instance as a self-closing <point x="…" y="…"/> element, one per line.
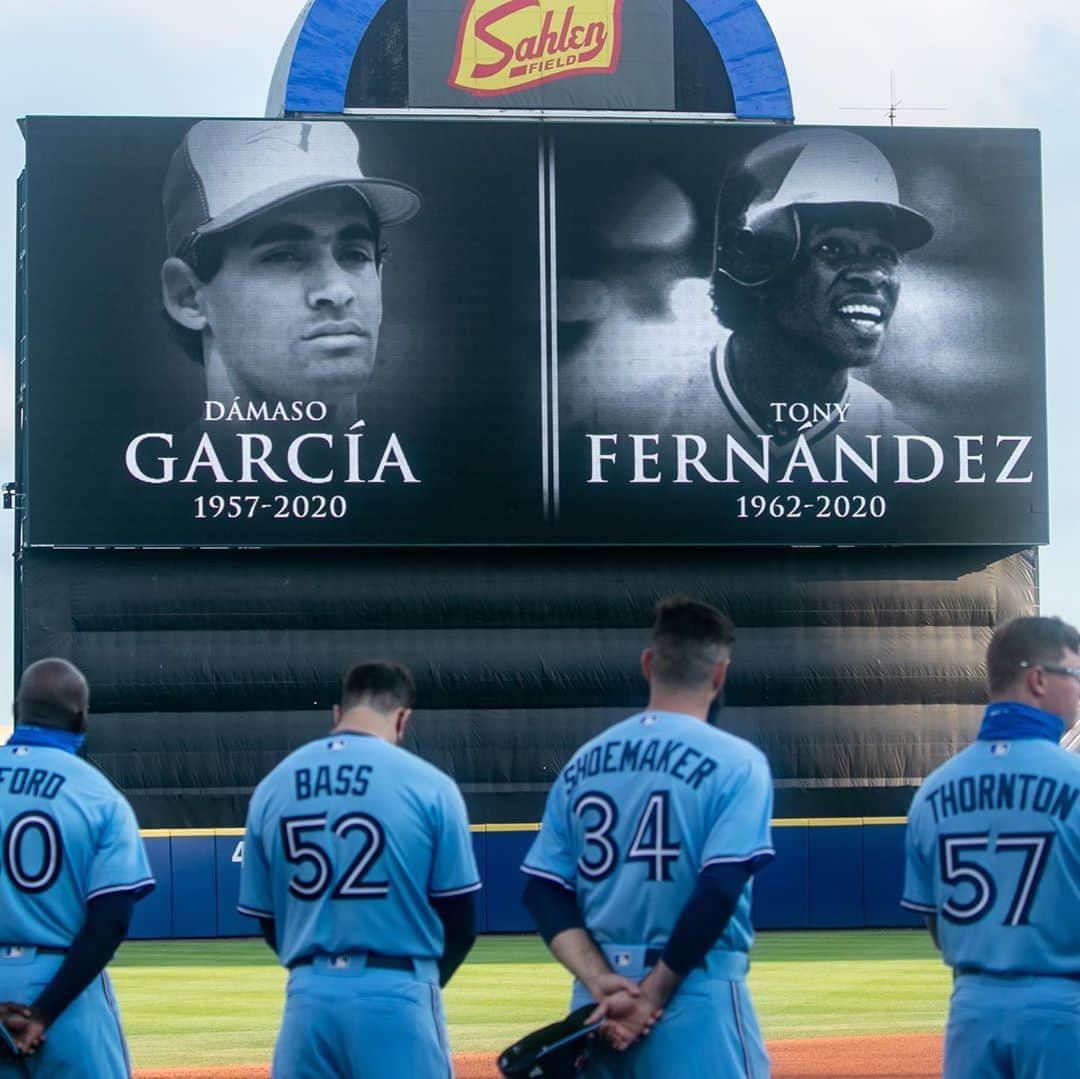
<point x="810" y="239"/>
<point x="273" y="276"/>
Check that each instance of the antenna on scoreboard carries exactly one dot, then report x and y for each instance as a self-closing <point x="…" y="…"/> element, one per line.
<point x="895" y="104"/>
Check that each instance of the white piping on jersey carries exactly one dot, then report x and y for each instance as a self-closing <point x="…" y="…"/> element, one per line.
<point x="728" y="858"/>
<point x="554" y="877"/>
<point x="725" y="387"/>
<point x="739" y="1027"/>
<point x="464" y="890"/>
<point x="109" y="889"/>
<point x="255" y="913"/>
<point x="922" y="908"/>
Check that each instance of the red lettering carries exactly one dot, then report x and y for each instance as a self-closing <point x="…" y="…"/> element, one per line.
<point x="505" y="51"/>
<point x="565" y="28"/>
<point x="601" y="38"/>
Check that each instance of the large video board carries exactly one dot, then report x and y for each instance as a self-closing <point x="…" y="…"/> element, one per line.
<point x="259" y="332"/>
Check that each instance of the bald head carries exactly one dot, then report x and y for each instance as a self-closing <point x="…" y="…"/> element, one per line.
<point x="53" y="693"/>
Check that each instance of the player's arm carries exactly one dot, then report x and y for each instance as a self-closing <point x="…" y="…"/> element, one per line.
<point x="107" y="919"/>
<point x="268" y="928"/>
<point x="702" y="920"/>
<point x="555" y="911"/>
<point x="931" y="925"/>
<point x="458" y="916"/>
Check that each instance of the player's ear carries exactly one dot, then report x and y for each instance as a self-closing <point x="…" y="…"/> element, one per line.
<point x="335" y="711"/>
<point x="647" y="664"/>
<point x="181" y="293"/>
<point x="401" y="721"/>
<point x="720" y="673"/>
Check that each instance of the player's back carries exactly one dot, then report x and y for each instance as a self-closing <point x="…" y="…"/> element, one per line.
<point x="59" y="819"/>
<point x="996" y="830"/>
<point x="348" y="831"/>
<point x="646" y="806"/>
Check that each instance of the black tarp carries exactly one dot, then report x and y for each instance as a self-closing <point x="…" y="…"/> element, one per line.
<point x="856" y="671"/>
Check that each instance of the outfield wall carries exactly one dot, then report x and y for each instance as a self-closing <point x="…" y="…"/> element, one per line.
<point x="839" y="872"/>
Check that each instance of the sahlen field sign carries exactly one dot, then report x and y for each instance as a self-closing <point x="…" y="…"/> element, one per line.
<point x="295" y="332"/>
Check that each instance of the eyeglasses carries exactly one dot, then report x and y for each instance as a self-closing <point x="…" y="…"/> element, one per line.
<point x="1051" y="668"/>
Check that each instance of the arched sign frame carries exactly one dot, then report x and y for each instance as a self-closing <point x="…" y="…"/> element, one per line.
<point x="312" y="72"/>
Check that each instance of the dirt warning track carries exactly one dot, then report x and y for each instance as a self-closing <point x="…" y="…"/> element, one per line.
<point x="885" y="1056"/>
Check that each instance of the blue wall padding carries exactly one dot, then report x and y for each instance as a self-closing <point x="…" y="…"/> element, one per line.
<point x="883" y="877"/>
<point x="230" y="922"/>
<point x="782" y="888"/>
<point x="479" y="843"/>
<point x="153" y="914"/>
<point x="836" y="869"/>
<point x="195" y="886"/>
<point x="823" y="877"/>
<point x="503" y="882"/>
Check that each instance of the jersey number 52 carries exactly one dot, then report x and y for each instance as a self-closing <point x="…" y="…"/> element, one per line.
<point x="315" y="879"/>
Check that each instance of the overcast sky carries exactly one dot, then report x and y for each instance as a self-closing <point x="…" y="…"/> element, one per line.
<point x="985" y="63"/>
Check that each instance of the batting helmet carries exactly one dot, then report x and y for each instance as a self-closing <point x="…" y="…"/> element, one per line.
<point x="758" y="229"/>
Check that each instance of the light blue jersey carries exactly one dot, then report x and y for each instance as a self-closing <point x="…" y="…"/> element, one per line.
<point x="993" y="849"/>
<point x="639" y="811"/>
<point x="347" y="841"/>
<point x="993" y="852"/>
<point x="631" y="821"/>
<point x="67" y="836"/>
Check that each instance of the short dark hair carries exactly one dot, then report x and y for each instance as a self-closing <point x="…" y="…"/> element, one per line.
<point x="688" y="637"/>
<point x="379" y="684"/>
<point x="206" y="255"/>
<point x="1026" y="640"/>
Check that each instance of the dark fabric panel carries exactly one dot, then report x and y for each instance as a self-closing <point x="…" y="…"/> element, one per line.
<point x="379" y="77"/>
<point x="513" y="756"/>
<point x="856" y="670"/>
<point x="701" y="80"/>
<point x="526" y="668"/>
<point x="516" y="587"/>
<point x="507" y="749"/>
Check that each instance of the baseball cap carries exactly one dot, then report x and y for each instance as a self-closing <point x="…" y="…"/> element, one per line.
<point x="557" y="1051"/>
<point x="226" y="171"/>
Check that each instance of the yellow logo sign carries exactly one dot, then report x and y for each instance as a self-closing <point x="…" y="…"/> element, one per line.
<point x="508" y="45"/>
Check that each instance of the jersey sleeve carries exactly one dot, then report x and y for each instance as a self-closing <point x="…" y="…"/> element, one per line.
<point x="552" y="855"/>
<point x="918" y="863"/>
<point x="119" y="863"/>
<point x="256" y="896"/>
<point x="453" y="871"/>
<point x="741" y="831"/>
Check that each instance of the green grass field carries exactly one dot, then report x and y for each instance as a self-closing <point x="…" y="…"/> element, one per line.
<point x="201" y="1003"/>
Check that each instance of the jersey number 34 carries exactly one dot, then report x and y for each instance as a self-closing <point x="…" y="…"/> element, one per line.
<point x="652" y="842"/>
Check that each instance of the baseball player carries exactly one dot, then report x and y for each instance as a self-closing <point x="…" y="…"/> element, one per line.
<point x="993" y="861"/>
<point x="73" y="868"/>
<point x="274" y="270"/>
<point x="809" y="241"/>
<point x="359" y="865"/>
<point x="642" y="868"/>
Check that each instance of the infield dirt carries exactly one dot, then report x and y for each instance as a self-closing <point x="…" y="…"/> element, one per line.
<point x="885" y="1056"/>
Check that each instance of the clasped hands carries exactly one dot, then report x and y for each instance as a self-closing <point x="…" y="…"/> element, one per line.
<point x="25" y="1027"/>
<point x="627" y="1010"/>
